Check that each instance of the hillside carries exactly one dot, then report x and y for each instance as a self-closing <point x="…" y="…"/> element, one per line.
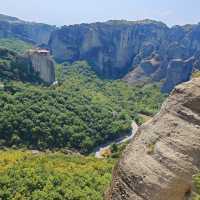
<point x="14" y="44"/>
<point x="81" y="113"/>
<point x="28" y="176"/>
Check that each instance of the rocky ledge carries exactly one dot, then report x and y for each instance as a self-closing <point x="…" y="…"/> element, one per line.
<point x="164" y="155"/>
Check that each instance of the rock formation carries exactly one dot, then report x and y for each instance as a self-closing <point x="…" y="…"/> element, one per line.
<point x="164" y="155"/>
<point x="109" y="47"/>
<point x="139" y="52"/>
<point x="142" y="51"/>
<point x="42" y="64"/>
<point x="36" y="33"/>
<point x="36" y="66"/>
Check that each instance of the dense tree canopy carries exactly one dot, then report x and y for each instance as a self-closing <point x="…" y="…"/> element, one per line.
<point x="52" y="176"/>
<point x="15" y="44"/>
<point x="81" y="113"/>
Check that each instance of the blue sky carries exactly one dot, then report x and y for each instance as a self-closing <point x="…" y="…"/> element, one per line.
<point x="61" y="12"/>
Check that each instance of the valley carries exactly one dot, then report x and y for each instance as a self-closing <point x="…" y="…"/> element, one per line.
<point x="81" y="113"/>
<point x="93" y="111"/>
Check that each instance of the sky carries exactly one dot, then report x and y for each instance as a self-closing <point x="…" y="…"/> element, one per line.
<point x="66" y="12"/>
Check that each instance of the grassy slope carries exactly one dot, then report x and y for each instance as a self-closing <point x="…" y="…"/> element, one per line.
<point x="52" y="176"/>
<point x="15" y="44"/>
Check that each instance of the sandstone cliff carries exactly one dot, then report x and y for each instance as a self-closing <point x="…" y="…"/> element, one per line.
<point x="37" y="33"/>
<point x="142" y="51"/>
<point x="109" y="47"/>
<point x="164" y="155"/>
<point x="42" y="64"/>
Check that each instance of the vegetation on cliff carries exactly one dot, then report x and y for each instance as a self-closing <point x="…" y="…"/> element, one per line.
<point x="24" y="175"/>
<point x="82" y="112"/>
<point x="15" y="44"/>
<point x="15" y="67"/>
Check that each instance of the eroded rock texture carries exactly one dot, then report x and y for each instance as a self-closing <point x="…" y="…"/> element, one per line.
<point x="140" y="52"/>
<point x="160" y="161"/>
<point x="42" y="64"/>
<point x="109" y="47"/>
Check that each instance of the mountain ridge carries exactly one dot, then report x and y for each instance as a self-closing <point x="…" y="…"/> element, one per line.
<point x="36" y="33"/>
<point x="138" y="52"/>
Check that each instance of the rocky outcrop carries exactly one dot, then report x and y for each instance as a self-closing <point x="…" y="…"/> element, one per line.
<point x="42" y="64"/>
<point x="36" y="66"/>
<point x="164" y="155"/>
<point x="36" y="33"/>
<point x="140" y="52"/>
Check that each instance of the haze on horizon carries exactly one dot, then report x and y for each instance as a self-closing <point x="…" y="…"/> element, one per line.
<point x="65" y="12"/>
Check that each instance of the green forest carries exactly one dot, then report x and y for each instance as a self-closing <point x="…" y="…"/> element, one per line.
<point x="52" y="176"/>
<point x="16" y="45"/>
<point x="81" y="112"/>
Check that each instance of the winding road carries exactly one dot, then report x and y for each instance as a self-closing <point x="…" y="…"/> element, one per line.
<point x="121" y="140"/>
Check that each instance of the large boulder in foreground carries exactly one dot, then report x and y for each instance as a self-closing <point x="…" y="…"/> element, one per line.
<point x="164" y="155"/>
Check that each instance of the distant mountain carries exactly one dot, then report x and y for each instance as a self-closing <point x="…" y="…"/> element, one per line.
<point x="36" y="33"/>
<point x="139" y="52"/>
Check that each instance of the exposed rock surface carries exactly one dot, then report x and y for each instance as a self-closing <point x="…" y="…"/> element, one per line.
<point x="37" y="33"/>
<point x="36" y="66"/>
<point x="144" y="51"/>
<point x="165" y="153"/>
<point x="42" y="63"/>
<point x="109" y="47"/>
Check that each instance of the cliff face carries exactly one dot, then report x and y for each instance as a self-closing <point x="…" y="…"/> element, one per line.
<point x="37" y="33"/>
<point x="36" y="66"/>
<point x="141" y="52"/>
<point x="109" y="47"/>
<point x="42" y="64"/>
<point x="164" y="155"/>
